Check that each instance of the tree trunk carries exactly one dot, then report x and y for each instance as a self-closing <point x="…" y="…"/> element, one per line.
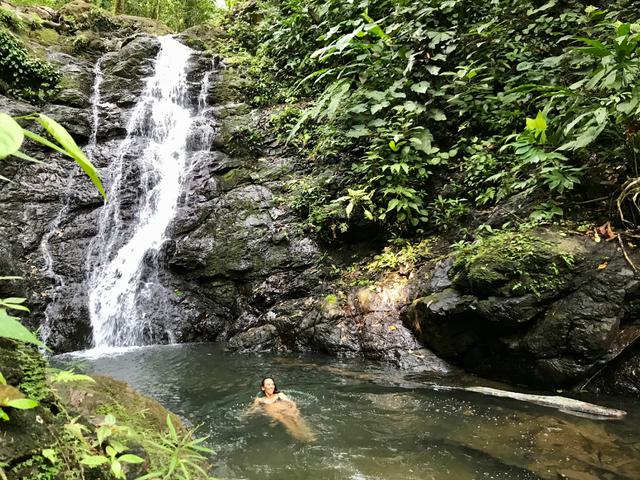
<point x="156" y="10"/>
<point x="190" y="13"/>
<point x="120" y="7"/>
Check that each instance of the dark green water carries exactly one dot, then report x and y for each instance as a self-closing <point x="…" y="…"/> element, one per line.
<point x="370" y="421"/>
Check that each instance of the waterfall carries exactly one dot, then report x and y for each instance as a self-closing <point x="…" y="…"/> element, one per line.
<point x="50" y="272"/>
<point x="54" y="227"/>
<point x="123" y="258"/>
<point x="95" y="107"/>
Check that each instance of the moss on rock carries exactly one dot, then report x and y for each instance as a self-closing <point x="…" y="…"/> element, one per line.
<point x="516" y="263"/>
<point x="47" y="36"/>
<point x="66" y="421"/>
<point x="82" y="15"/>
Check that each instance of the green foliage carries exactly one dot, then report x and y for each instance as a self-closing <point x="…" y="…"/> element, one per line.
<point x="33" y="383"/>
<point x="10" y="327"/>
<point x="11" y="397"/>
<point x="40" y="468"/>
<point x="310" y="196"/>
<point x="27" y="76"/>
<point x="405" y="96"/>
<point x="115" y="457"/>
<point x="178" y="14"/>
<point x="10" y="20"/>
<point x="12" y="136"/>
<point x="185" y="456"/>
<point x="512" y="262"/>
<point x="399" y="255"/>
<point x="65" y="376"/>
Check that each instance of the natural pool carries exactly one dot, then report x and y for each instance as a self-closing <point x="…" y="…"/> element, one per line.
<point x="370" y="420"/>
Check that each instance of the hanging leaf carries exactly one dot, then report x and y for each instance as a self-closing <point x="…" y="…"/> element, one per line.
<point x="420" y="87"/>
<point x="130" y="458"/>
<point x="11" y="136"/>
<point x="22" y="404"/>
<point x="67" y="142"/>
<point x="50" y="454"/>
<point x="94" y="460"/>
<point x="172" y="429"/>
<point x="349" y="209"/>
<point x="10" y="327"/>
<point x="24" y="156"/>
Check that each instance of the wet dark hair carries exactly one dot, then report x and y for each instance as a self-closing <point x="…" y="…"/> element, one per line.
<point x="275" y="387"/>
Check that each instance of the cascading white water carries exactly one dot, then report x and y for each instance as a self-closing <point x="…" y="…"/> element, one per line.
<point x="120" y="250"/>
<point x="95" y="106"/>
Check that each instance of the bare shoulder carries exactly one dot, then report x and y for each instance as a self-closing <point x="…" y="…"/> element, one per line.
<point x="283" y="396"/>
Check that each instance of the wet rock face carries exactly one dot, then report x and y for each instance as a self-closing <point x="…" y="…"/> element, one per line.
<point x="551" y="321"/>
<point x="620" y="376"/>
<point x="238" y="267"/>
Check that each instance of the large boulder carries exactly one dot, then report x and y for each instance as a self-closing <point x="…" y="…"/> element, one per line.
<point x="543" y="307"/>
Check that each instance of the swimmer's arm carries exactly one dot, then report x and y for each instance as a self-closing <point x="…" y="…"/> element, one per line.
<point x="290" y="401"/>
<point x="253" y="408"/>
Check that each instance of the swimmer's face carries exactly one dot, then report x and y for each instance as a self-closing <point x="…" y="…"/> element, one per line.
<point x="268" y="386"/>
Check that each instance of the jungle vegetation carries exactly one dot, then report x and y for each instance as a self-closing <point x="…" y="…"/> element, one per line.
<point x="418" y="115"/>
<point x="412" y="114"/>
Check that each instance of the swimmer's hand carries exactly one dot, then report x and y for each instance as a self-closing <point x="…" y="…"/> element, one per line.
<point x="252" y="410"/>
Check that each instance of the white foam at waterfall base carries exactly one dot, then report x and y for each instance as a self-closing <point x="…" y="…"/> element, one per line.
<point x="162" y="116"/>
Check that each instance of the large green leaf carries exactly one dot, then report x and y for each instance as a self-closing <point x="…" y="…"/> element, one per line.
<point x="67" y="142"/>
<point x="10" y="327"/>
<point x="11" y="135"/>
<point x="130" y="458"/>
<point x="94" y="460"/>
<point x="22" y="403"/>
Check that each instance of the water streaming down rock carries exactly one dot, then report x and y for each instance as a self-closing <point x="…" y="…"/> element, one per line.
<point x="95" y="106"/>
<point x="50" y="271"/>
<point x="124" y="258"/>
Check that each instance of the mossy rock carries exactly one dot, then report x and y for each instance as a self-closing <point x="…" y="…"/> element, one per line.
<point x="110" y="396"/>
<point x="232" y="82"/>
<point x="517" y="263"/>
<point x="84" y="16"/>
<point x="236" y="177"/>
<point x="47" y="36"/>
<point x="203" y="37"/>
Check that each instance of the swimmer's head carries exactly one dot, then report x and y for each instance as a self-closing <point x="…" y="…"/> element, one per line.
<point x="268" y="386"/>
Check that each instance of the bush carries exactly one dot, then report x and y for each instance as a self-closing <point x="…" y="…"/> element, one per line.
<point x="490" y="99"/>
<point x="28" y="77"/>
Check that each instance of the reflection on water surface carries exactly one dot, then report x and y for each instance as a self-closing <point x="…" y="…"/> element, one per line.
<point x="370" y="421"/>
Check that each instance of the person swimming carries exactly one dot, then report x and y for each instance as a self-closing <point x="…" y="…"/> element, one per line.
<point x="281" y="409"/>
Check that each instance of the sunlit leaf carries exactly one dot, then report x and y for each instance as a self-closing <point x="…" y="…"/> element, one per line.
<point x="11" y="136"/>
<point x="130" y="458"/>
<point x="10" y="327"/>
<point x="94" y="460"/>
<point x="22" y="403"/>
<point x="538" y="124"/>
<point x="67" y="142"/>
